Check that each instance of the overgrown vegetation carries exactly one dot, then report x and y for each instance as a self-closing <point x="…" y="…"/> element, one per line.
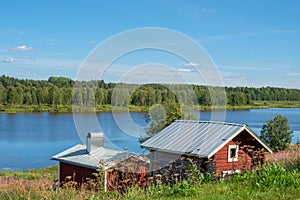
<point x="47" y="173"/>
<point x="279" y="179"/>
<point x="276" y="133"/>
<point x="60" y="93"/>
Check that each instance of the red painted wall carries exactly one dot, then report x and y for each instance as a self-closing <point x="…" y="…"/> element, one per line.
<point x="80" y="174"/>
<point x="77" y="173"/>
<point x="222" y="164"/>
<point x="244" y="160"/>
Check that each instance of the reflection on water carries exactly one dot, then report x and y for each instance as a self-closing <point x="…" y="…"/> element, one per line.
<point x="28" y="140"/>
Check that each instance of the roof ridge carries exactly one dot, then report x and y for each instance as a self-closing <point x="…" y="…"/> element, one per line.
<point x="213" y="122"/>
<point x="109" y="149"/>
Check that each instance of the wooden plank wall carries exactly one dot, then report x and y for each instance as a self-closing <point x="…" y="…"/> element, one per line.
<point x="222" y="164"/>
<point x="159" y="159"/>
<point x="77" y="173"/>
<point x="250" y="154"/>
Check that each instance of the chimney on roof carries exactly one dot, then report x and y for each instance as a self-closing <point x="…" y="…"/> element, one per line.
<point x="94" y="141"/>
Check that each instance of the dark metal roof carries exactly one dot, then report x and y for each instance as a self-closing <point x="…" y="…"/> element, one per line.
<point x="200" y="138"/>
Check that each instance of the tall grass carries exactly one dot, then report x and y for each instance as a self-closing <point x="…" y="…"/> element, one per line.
<point x="275" y="180"/>
<point x="272" y="175"/>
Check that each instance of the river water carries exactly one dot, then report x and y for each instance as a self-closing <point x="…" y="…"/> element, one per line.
<point x="28" y="140"/>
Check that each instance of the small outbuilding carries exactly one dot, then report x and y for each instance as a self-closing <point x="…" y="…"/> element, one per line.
<point x="218" y="147"/>
<point x="80" y="163"/>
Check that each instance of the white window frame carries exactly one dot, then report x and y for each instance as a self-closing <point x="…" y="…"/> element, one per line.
<point x="235" y="158"/>
<point x="230" y="172"/>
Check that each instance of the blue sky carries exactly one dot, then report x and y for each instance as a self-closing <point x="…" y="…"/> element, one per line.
<point x="253" y="43"/>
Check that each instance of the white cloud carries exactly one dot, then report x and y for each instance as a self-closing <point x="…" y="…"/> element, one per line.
<point x="16" y="31"/>
<point x="28" y="58"/>
<point x="294" y="74"/>
<point x="233" y="76"/>
<point x="8" y="60"/>
<point x="184" y="70"/>
<point x="192" y="64"/>
<point x="21" y="48"/>
<point x="245" y="68"/>
<point x="50" y="41"/>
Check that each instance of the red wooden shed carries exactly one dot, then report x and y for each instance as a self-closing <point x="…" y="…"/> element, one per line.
<point x="226" y="148"/>
<point x="80" y="162"/>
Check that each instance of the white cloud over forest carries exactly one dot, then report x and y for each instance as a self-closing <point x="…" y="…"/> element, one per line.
<point x="21" y="48"/>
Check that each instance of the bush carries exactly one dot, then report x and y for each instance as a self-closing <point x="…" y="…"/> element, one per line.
<point x="272" y="175"/>
<point x="276" y="133"/>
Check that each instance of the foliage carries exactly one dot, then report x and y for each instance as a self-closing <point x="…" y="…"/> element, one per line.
<point x="61" y="91"/>
<point x="273" y="181"/>
<point x="157" y="116"/>
<point x="271" y="175"/>
<point x="276" y="133"/>
<point x="48" y="172"/>
<point x="163" y="115"/>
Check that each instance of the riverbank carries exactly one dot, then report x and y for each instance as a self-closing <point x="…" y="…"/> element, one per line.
<point x="132" y="108"/>
<point x="66" y="109"/>
<point x="277" y="180"/>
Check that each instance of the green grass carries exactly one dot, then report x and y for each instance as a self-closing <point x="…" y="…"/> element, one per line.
<point x="33" y="108"/>
<point x="106" y="108"/>
<point x="277" y="104"/>
<point x="60" y="109"/>
<point x="218" y="190"/>
<point x="256" y="105"/>
<point x="274" y="181"/>
<point x="48" y="173"/>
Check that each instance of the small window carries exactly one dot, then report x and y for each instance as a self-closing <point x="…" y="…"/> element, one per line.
<point x="233" y="153"/>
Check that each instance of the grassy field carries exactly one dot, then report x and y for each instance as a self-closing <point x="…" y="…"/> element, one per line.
<point x="47" y="108"/>
<point x="278" y="179"/>
<point x="46" y="173"/>
<point x="105" y="108"/>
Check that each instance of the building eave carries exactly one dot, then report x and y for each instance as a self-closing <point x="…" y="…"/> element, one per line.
<point x="245" y="127"/>
<point x="78" y="164"/>
<point x="258" y="139"/>
<point x="225" y="142"/>
<point x="176" y="152"/>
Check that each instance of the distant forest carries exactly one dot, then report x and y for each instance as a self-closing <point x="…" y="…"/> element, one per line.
<point x="64" y="91"/>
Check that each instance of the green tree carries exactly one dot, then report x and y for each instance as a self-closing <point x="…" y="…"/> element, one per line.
<point x="55" y="97"/>
<point x="42" y="95"/>
<point x="67" y="96"/>
<point x="237" y="99"/>
<point x="99" y="96"/>
<point x="277" y="133"/>
<point x="12" y="95"/>
<point x="77" y="97"/>
<point x="27" y="100"/>
<point x="3" y="94"/>
<point x="157" y="117"/>
<point x="160" y="116"/>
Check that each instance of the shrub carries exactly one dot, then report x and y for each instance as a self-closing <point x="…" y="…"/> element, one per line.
<point x="276" y="133"/>
<point x="272" y="175"/>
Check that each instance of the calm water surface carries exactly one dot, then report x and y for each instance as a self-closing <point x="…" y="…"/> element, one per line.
<point x="28" y="140"/>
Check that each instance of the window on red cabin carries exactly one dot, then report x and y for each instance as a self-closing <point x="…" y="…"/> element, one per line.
<point x="233" y="153"/>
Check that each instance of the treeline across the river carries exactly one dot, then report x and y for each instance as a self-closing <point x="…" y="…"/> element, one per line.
<point x="61" y="91"/>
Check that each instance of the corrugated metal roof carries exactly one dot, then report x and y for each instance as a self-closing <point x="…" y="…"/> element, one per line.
<point x="78" y="155"/>
<point x="191" y="137"/>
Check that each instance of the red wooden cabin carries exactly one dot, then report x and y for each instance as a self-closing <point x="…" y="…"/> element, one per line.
<point x="226" y="148"/>
<point x="79" y="163"/>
